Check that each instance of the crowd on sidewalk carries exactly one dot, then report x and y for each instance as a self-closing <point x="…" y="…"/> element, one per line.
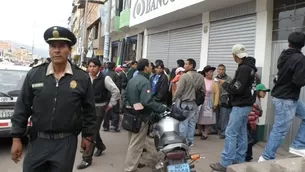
<point x="77" y="100"/>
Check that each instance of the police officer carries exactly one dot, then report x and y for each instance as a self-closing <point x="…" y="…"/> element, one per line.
<point x="138" y="90"/>
<point x="59" y="98"/>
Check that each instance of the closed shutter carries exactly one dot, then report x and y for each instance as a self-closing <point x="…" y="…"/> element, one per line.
<point x="157" y="47"/>
<point x="224" y="34"/>
<point x="184" y="43"/>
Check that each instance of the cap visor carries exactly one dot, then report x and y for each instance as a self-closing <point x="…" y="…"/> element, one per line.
<point x="242" y="55"/>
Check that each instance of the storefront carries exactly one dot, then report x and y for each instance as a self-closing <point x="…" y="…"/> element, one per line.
<point x="171" y="45"/>
<point x="288" y="16"/>
<point x="229" y="26"/>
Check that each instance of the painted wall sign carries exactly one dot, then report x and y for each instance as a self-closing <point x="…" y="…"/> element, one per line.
<point x="146" y="6"/>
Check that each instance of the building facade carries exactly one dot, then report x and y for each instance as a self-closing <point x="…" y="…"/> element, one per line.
<point x="206" y="30"/>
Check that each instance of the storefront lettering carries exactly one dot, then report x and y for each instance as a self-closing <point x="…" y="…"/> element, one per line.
<point x="142" y="7"/>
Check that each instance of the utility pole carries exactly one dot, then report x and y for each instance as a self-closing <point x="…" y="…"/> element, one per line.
<point x="107" y="32"/>
<point x="83" y="55"/>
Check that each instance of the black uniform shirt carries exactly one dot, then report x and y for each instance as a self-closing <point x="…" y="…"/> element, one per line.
<point x="64" y="105"/>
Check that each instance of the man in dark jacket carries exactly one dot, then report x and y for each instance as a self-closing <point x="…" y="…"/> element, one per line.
<point x="132" y="70"/>
<point x="138" y="90"/>
<point x="160" y="85"/>
<point x="242" y="93"/>
<point x="224" y="101"/>
<point x="58" y="96"/>
<point x="114" y="112"/>
<point x="286" y="91"/>
<point x="103" y="86"/>
<point x="123" y="76"/>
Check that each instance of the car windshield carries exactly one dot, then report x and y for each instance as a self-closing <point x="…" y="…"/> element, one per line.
<point x="11" y="80"/>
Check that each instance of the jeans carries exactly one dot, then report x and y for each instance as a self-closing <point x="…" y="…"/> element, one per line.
<point x="236" y="141"/>
<point x="224" y="119"/>
<point x="285" y="111"/>
<point x="187" y="127"/>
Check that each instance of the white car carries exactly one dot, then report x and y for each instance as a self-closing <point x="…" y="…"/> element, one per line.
<point x="11" y="80"/>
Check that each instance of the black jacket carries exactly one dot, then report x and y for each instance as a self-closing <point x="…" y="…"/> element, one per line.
<point x="123" y="80"/>
<point x="242" y="87"/>
<point x="290" y="76"/>
<point x="161" y="94"/>
<point x="138" y="90"/>
<point x="101" y="94"/>
<point x="63" y="106"/>
<point x="115" y="78"/>
<point x="130" y="73"/>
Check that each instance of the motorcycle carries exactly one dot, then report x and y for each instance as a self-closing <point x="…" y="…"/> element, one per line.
<point x="173" y="148"/>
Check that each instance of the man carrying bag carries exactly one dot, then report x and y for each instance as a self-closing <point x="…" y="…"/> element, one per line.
<point x="138" y="96"/>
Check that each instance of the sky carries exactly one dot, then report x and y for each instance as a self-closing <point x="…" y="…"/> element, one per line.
<point x="23" y="21"/>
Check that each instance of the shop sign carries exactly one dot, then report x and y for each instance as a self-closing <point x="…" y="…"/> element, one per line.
<point x="142" y="7"/>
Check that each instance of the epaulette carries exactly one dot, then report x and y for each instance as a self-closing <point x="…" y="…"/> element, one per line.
<point x="81" y="68"/>
<point x="40" y="64"/>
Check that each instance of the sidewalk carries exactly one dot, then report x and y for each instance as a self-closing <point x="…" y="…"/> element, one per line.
<point x="114" y="157"/>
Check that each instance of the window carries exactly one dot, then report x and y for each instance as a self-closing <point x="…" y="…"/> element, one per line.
<point x="288" y="16"/>
<point x="127" y="4"/>
<point x="96" y="30"/>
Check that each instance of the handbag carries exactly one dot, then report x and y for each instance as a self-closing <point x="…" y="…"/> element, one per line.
<point x="132" y="121"/>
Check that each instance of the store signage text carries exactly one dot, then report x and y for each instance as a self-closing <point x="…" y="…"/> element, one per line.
<point x="142" y="7"/>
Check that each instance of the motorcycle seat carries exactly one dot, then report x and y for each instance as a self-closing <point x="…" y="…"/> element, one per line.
<point x="171" y="138"/>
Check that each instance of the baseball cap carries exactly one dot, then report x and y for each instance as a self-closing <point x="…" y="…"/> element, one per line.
<point x="179" y="69"/>
<point x="297" y="39"/>
<point x="261" y="87"/>
<point x="239" y="50"/>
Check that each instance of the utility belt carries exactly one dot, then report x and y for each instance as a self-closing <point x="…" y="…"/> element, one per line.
<point x="33" y="135"/>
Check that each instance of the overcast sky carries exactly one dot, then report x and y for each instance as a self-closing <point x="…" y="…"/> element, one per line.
<point x="18" y="18"/>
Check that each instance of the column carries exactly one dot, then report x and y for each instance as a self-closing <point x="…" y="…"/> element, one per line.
<point x="205" y="40"/>
<point x="145" y="43"/>
<point x="263" y="47"/>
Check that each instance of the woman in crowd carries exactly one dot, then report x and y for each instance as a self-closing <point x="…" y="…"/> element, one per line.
<point x="206" y="112"/>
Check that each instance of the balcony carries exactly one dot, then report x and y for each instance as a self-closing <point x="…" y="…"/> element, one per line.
<point x="115" y="24"/>
<point x="124" y="19"/>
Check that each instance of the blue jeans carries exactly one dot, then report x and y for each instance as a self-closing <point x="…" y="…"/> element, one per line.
<point x="224" y="119"/>
<point x="236" y="141"/>
<point x="187" y="128"/>
<point x="285" y="111"/>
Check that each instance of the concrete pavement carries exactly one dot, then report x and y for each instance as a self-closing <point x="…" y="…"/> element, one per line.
<point x="114" y="157"/>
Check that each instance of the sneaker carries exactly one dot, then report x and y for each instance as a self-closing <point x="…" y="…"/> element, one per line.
<point x="298" y="152"/>
<point x="218" y="167"/>
<point x="261" y="159"/>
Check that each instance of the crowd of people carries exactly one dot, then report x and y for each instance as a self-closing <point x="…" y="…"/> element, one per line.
<point x="64" y="100"/>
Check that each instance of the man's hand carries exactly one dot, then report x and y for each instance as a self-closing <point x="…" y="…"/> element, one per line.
<point x="86" y="144"/>
<point x="16" y="150"/>
<point x="107" y="108"/>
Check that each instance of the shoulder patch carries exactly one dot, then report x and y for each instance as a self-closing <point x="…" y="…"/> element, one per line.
<point x="40" y="64"/>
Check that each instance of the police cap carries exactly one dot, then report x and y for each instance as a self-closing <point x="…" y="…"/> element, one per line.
<point x="57" y="33"/>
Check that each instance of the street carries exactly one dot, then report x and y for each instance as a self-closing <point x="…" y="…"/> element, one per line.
<point x="114" y="157"/>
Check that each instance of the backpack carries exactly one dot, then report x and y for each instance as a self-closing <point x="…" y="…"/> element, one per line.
<point x="200" y="95"/>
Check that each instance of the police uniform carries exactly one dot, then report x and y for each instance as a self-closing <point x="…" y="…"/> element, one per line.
<point x="138" y="90"/>
<point x="59" y="108"/>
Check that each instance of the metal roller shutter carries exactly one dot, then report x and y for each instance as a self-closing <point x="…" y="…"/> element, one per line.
<point x="184" y="43"/>
<point x="157" y="47"/>
<point x="224" y="34"/>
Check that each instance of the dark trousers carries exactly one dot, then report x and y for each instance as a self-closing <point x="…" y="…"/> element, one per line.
<point x="224" y="117"/>
<point x="114" y="115"/>
<point x="252" y="140"/>
<point x="47" y="155"/>
<point x="100" y="113"/>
